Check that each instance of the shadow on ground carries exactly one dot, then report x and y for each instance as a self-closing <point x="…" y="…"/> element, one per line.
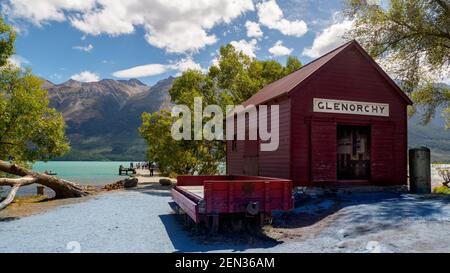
<point x="8" y="219"/>
<point x="154" y="189"/>
<point x="191" y="239"/>
<point x="364" y="212"/>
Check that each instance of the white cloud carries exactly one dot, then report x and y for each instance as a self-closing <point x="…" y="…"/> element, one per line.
<point x="87" y="48"/>
<point x="280" y="50"/>
<point x="247" y="47"/>
<point x="253" y="30"/>
<point x="177" y="26"/>
<point x="271" y="16"/>
<point x="18" y="61"/>
<point x="85" y="76"/>
<point x="186" y="64"/>
<point x="42" y="11"/>
<point x="330" y="38"/>
<point x="178" y="39"/>
<point x="149" y="70"/>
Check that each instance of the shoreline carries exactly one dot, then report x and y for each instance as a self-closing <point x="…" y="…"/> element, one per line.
<point x="25" y="206"/>
<point x="28" y="205"/>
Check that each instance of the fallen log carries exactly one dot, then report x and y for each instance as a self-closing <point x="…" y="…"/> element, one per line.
<point x="61" y="187"/>
<point x="15" y="184"/>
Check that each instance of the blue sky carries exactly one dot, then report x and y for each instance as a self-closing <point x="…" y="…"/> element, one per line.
<point x="152" y="39"/>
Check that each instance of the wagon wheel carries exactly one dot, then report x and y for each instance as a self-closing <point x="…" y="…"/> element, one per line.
<point x="213" y="224"/>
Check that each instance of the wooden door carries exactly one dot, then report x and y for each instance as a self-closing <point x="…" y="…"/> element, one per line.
<point x="323" y="151"/>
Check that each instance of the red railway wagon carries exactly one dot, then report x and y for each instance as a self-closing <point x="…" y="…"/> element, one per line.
<point x="205" y="198"/>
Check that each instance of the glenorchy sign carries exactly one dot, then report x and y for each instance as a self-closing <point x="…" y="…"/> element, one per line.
<point x="351" y="107"/>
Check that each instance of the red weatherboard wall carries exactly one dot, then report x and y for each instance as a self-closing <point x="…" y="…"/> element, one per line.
<point x="277" y="163"/>
<point x="271" y="164"/>
<point x="307" y="152"/>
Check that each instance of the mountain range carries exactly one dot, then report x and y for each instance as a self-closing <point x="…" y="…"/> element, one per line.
<point x="102" y="119"/>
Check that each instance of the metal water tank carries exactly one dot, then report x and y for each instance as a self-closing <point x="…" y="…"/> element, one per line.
<point x="419" y="170"/>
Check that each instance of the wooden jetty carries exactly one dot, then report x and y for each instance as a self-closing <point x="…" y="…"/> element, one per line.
<point x="123" y="170"/>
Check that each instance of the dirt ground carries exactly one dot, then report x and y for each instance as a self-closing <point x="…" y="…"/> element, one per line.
<point x="30" y="205"/>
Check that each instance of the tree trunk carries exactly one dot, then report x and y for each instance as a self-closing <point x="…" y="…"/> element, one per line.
<point x="62" y="188"/>
<point x="15" y="185"/>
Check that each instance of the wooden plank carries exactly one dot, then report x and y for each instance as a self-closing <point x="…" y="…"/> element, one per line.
<point x="195" y="190"/>
<point x="195" y="198"/>
<point x="187" y="205"/>
<point x="194" y="180"/>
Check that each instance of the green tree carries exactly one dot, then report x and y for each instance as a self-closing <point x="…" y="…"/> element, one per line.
<point x="233" y="80"/>
<point x="29" y="129"/>
<point x="413" y="36"/>
<point x="7" y="38"/>
<point x="156" y="131"/>
<point x="238" y="76"/>
<point x="292" y="64"/>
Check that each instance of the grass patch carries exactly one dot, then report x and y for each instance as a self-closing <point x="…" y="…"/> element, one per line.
<point x="441" y="190"/>
<point x="29" y="199"/>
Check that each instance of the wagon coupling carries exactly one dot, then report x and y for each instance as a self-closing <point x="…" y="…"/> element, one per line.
<point x="253" y="208"/>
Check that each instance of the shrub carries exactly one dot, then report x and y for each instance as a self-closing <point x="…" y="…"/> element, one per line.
<point x="441" y="190"/>
<point x="444" y="173"/>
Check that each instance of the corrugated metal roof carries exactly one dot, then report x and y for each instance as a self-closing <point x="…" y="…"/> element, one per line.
<point x="286" y="84"/>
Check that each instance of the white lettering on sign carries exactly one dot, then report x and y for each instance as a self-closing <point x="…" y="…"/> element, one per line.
<point x="351" y="107"/>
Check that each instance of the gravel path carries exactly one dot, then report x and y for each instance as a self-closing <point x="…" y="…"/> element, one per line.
<point x="141" y="221"/>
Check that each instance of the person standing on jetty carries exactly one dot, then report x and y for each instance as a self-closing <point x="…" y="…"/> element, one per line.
<point x="152" y="168"/>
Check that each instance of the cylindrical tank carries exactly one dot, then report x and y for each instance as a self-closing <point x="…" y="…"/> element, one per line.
<point x="419" y="170"/>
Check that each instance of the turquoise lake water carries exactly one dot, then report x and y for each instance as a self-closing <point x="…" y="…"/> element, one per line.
<point x="95" y="173"/>
<point x="84" y="172"/>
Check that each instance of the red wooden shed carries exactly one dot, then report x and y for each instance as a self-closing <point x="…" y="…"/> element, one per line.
<point x="342" y="121"/>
